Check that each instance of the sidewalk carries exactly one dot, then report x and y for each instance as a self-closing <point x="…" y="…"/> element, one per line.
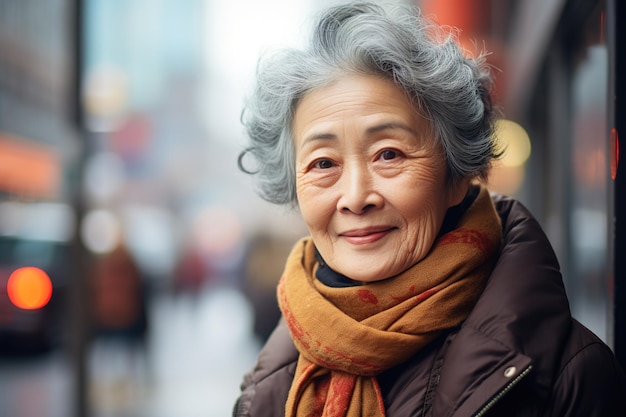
<point x="198" y="349"/>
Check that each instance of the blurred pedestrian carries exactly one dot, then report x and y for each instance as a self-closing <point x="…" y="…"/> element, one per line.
<point x="119" y="299"/>
<point x="263" y="265"/>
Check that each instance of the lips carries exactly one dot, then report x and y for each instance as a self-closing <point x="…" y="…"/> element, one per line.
<point x="367" y="235"/>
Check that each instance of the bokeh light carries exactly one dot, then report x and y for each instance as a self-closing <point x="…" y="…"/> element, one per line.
<point x="515" y="141"/>
<point x="101" y="231"/>
<point x="29" y="288"/>
<point x="508" y="173"/>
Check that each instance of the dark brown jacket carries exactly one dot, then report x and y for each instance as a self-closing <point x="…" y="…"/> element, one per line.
<point x="519" y="353"/>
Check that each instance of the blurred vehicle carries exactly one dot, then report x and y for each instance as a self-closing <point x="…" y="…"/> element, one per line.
<point x="34" y="249"/>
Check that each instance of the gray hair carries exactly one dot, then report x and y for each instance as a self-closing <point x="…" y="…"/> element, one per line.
<point x="450" y="89"/>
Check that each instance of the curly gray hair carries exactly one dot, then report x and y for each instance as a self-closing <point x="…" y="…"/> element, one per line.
<point x="450" y="89"/>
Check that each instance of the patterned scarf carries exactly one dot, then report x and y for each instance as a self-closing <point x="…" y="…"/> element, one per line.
<point x="346" y="336"/>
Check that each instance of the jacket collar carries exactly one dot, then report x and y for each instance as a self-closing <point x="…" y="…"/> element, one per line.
<point x="517" y="328"/>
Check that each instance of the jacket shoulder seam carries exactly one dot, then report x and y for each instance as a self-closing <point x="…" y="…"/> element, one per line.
<point x="273" y="372"/>
<point x="577" y="354"/>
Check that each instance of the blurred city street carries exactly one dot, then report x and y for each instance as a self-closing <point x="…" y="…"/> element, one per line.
<point x="154" y="256"/>
<point x="197" y="350"/>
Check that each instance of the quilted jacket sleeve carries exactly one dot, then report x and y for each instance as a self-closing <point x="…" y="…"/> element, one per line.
<point x="591" y="382"/>
<point x="264" y="389"/>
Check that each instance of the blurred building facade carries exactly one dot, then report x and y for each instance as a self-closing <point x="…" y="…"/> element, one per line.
<point x="40" y="148"/>
<point x="559" y="66"/>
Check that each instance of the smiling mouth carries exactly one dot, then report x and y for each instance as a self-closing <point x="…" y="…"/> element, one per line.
<point x="365" y="236"/>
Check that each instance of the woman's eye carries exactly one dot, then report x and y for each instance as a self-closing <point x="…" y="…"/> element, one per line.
<point x="388" y="154"/>
<point x="323" y="164"/>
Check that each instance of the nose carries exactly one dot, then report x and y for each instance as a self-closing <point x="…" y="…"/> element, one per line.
<point x="358" y="193"/>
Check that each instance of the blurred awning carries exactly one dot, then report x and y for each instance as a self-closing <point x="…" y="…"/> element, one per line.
<point x="28" y="168"/>
<point x="513" y="32"/>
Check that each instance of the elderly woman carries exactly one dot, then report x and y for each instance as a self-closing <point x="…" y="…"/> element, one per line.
<point x="418" y="292"/>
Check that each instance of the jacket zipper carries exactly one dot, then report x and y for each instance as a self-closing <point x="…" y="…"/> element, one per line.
<point x="502" y="392"/>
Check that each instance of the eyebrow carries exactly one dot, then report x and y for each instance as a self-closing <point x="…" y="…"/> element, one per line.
<point x="370" y="131"/>
<point x="390" y="126"/>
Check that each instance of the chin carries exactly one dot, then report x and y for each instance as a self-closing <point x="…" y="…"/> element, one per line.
<point x="369" y="276"/>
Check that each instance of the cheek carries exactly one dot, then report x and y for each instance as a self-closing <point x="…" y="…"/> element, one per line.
<point x="423" y="210"/>
<point x="313" y="209"/>
<point x="430" y="191"/>
<point x="423" y="221"/>
<point x="305" y="195"/>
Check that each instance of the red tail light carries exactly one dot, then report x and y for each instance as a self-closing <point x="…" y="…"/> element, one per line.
<point x="29" y="288"/>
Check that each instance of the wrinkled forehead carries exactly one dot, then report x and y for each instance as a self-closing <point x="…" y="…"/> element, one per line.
<point x="376" y="102"/>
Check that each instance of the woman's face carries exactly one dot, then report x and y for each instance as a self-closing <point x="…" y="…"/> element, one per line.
<point x="371" y="183"/>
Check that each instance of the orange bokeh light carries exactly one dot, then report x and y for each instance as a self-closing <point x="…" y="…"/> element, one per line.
<point x="29" y="288"/>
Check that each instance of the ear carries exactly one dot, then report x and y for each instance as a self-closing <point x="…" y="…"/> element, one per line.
<point x="457" y="192"/>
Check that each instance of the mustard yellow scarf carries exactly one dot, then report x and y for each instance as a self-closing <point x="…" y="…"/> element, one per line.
<point x="346" y="336"/>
